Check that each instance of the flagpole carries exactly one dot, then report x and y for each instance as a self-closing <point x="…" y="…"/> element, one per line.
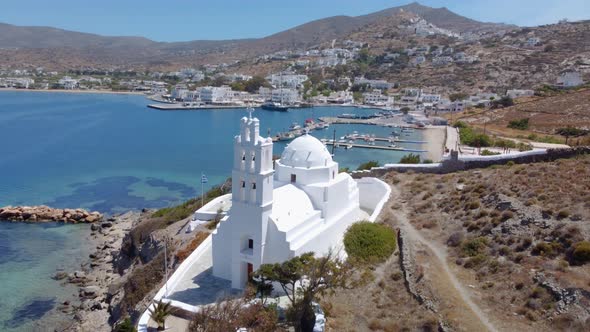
<point x="166" y="264"/>
<point x="202" y="198"/>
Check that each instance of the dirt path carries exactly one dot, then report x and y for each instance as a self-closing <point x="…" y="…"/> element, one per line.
<point x="441" y="259"/>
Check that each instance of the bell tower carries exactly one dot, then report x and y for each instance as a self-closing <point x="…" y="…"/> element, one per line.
<point x="252" y="197"/>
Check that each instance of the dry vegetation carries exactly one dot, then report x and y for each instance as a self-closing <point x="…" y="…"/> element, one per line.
<point x="504" y="226"/>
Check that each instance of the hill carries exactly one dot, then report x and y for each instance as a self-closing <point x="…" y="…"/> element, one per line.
<point x="16" y="42"/>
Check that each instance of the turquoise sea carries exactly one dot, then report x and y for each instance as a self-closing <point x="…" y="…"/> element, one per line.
<point x="111" y="153"/>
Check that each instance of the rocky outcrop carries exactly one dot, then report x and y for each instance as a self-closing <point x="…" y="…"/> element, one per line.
<point x="45" y="214"/>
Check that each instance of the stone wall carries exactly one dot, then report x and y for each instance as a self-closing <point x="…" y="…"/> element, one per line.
<point x="456" y="163"/>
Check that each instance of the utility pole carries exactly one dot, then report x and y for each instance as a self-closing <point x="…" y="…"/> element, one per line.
<point x="334" y="142"/>
<point x="166" y="265"/>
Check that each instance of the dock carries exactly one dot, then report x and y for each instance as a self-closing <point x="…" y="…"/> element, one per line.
<point x="368" y="146"/>
<point x="181" y="107"/>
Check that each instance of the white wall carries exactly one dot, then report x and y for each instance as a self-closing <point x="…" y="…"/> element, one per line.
<point x="373" y="194"/>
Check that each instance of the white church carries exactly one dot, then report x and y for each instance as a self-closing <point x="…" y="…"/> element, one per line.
<point x="301" y="204"/>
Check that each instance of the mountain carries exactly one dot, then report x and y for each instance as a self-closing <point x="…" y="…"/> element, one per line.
<point x="94" y="49"/>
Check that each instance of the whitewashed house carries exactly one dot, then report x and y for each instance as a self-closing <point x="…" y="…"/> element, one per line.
<point x="375" y="97"/>
<point x="569" y="79"/>
<point x="286" y="96"/>
<point x="520" y="93"/>
<point x="68" y="83"/>
<point x="216" y="95"/>
<point x="303" y="204"/>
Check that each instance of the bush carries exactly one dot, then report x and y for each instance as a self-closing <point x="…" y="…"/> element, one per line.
<point x="368" y="165"/>
<point x="580" y="253"/>
<point x="369" y="242"/>
<point x="522" y="124"/>
<point x="410" y="159"/>
<point x="546" y="249"/>
<point x="486" y="152"/>
<point x="474" y="247"/>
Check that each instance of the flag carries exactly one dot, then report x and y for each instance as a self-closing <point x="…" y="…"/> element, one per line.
<point x="203" y="178"/>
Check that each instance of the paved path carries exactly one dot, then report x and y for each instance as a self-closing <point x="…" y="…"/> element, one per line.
<point x="198" y="285"/>
<point x="441" y="256"/>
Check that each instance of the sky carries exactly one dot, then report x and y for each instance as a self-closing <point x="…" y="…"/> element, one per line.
<point x="182" y="20"/>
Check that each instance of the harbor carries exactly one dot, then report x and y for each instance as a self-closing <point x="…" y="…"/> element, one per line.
<point x="348" y="145"/>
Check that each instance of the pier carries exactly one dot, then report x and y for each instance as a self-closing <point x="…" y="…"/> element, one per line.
<point x="369" y="146"/>
<point x="180" y="107"/>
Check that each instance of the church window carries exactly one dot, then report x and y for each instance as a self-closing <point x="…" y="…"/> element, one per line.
<point x="243" y="184"/>
<point x="250" y="244"/>
<point x="293" y="178"/>
<point x="253" y="157"/>
<point x="253" y="185"/>
<point x="243" y="156"/>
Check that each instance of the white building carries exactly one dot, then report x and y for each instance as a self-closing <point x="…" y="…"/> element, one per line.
<point x="216" y="95"/>
<point x="519" y="93"/>
<point x="286" y="96"/>
<point x="533" y="41"/>
<point x="374" y="84"/>
<point x="287" y="80"/>
<point x="430" y="98"/>
<point x="569" y="79"/>
<point x="304" y="204"/>
<point x="375" y="97"/>
<point x="68" y="83"/>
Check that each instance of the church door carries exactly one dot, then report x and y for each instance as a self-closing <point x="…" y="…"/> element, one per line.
<point x="249" y="270"/>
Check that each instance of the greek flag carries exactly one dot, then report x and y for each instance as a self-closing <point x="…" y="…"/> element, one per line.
<point x="203" y="178"/>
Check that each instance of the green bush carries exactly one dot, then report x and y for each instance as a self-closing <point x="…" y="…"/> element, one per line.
<point x="369" y="242"/>
<point x="581" y="252"/>
<point x="486" y="152"/>
<point x="368" y="165"/>
<point x="474" y="247"/>
<point x="410" y="159"/>
<point x="522" y="124"/>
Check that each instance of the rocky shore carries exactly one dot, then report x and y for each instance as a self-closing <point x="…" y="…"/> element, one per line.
<point x="46" y="214"/>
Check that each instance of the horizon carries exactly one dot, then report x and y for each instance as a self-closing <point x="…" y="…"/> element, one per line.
<point x="124" y="19"/>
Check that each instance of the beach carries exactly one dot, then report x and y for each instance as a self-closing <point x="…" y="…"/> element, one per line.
<point x="435" y="137"/>
<point x="110" y="92"/>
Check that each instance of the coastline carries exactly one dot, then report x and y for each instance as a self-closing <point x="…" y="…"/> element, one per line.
<point x="105" y="92"/>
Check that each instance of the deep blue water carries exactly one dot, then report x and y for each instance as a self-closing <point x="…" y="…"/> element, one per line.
<point x="111" y="153"/>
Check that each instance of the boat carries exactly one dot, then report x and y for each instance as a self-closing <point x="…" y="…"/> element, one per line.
<point x="279" y="107"/>
<point x="286" y="137"/>
<point x="322" y="125"/>
<point x="294" y="127"/>
<point x="349" y="146"/>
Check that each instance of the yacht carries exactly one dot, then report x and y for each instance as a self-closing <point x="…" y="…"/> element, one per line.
<point x="270" y="106"/>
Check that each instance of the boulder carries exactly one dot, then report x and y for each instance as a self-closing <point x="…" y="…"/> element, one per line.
<point x="90" y="291"/>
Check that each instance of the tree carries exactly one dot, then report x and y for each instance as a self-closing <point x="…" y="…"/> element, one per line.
<point x="568" y="132"/>
<point x="230" y="315"/>
<point x="505" y="101"/>
<point x="125" y="326"/>
<point x="368" y="165"/>
<point x="305" y="278"/>
<point x="522" y="124"/>
<point x="159" y="313"/>
<point x="255" y="83"/>
<point x="405" y="110"/>
<point x="457" y="96"/>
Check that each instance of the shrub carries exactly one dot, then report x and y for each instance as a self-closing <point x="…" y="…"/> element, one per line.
<point x="486" y="152"/>
<point x="369" y="242"/>
<point x="368" y="165"/>
<point x="546" y="249"/>
<point x="563" y="214"/>
<point x="183" y="253"/>
<point x="410" y="159"/>
<point x="522" y="124"/>
<point x="455" y="239"/>
<point x="474" y="247"/>
<point x="580" y="252"/>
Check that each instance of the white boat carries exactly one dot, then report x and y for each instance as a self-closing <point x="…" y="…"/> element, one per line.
<point x="294" y="126"/>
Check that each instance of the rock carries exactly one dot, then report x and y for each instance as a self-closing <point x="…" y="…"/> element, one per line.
<point x="44" y="213"/>
<point x="112" y="219"/>
<point x="79" y="274"/>
<point x="94" y="227"/>
<point x="90" y="291"/>
<point x="59" y="275"/>
<point x="106" y="225"/>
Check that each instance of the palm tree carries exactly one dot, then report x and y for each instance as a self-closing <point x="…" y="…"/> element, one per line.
<point x="159" y="314"/>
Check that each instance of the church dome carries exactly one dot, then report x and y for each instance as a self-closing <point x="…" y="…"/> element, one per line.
<point x="306" y="151"/>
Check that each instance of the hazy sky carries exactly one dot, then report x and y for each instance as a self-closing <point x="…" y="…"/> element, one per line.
<point x="176" y="20"/>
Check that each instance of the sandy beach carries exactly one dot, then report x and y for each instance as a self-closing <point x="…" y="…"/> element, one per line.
<point x="435" y="137"/>
<point x="110" y="92"/>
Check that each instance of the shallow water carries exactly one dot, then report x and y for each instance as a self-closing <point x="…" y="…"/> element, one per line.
<point x="30" y="254"/>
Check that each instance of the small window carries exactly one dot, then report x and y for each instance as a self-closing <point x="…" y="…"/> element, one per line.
<point x="293" y="178"/>
<point x="253" y="185"/>
<point x="253" y="157"/>
<point x="250" y="244"/>
<point x="333" y="174"/>
<point x="243" y="184"/>
<point x="243" y="156"/>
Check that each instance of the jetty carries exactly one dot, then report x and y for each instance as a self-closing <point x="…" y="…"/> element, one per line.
<point x="181" y="107"/>
<point x="369" y="146"/>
